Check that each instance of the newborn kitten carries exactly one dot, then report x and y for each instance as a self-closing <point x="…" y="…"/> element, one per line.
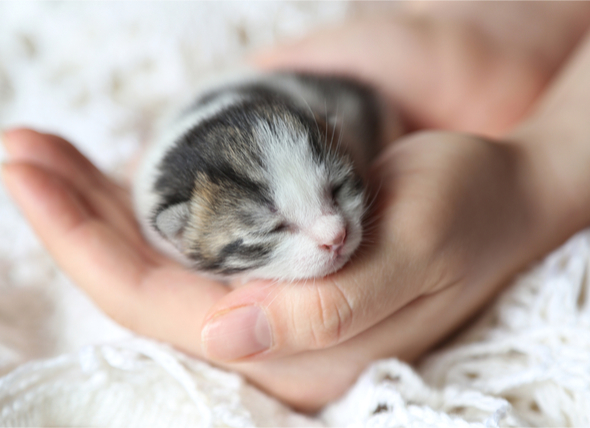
<point x="261" y="177"/>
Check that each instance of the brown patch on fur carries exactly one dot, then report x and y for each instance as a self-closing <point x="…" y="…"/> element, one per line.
<point x="202" y="233"/>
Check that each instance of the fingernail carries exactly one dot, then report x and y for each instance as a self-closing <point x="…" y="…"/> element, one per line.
<point x="236" y="334"/>
<point x="6" y="136"/>
<point x="6" y="133"/>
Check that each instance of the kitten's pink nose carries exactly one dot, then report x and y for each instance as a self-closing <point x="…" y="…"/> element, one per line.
<point x="337" y="243"/>
<point x="329" y="231"/>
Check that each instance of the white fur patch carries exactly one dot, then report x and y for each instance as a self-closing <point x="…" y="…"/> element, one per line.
<point x="302" y="196"/>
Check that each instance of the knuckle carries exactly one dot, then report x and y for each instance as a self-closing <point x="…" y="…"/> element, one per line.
<point x="330" y="317"/>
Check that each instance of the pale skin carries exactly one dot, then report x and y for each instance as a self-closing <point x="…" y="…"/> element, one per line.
<point x="456" y="215"/>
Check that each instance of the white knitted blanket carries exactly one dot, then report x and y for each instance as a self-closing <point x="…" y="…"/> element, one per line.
<point x="99" y="73"/>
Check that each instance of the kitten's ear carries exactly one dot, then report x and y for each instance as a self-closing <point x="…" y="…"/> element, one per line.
<point x="172" y="221"/>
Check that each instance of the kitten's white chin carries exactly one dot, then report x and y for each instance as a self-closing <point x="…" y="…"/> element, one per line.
<point x="334" y="266"/>
<point x="312" y="264"/>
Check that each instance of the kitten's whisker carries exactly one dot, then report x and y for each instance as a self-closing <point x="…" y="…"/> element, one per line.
<point x="333" y="128"/>
<point x="326" y="116"/>
<point x="277" y="294"/>
<point x="369" y="204"/>
<point x="312" y="113"/>
<point x="373" y="226"/>
<point x="284" y="288"/>
<point x="365" y="242"/>
<point x="338" y="144"/>
<point x="372" y="218"/>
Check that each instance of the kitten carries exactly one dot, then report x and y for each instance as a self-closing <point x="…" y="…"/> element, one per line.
<point x="261" y="177"/>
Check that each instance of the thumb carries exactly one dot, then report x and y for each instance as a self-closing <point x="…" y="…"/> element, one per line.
<point x="266" y="319"/>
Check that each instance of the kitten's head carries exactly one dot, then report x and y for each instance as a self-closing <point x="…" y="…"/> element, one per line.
<point x="261" y="190"/>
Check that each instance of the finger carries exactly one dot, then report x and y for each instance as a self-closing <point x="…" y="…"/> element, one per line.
<point x="57" y="155"/>
<point x="63" y="220"/>
<point x="266" y="319"/>
<point x="342" y="49"/>
<point x="315" y="378"/>
<point x="165" y="302"/>
<point x="54" y="154"/>
<point x="403" y="74"/>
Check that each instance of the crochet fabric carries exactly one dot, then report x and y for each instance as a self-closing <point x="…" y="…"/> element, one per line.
<point x="100" y="75"/>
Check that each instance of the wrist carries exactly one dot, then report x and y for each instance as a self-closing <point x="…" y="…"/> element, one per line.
<point x="556" y="177"/>
<point x="555" y="141"/>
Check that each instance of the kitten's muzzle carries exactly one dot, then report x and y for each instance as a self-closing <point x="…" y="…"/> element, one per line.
<point x="337" y="245"/>
<point x="330" y="233"/>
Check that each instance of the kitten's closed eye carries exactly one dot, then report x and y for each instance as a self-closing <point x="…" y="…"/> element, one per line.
<point x="238" y="184"/>
<point x="335" y="190"/>
<point x="281" y="227"/>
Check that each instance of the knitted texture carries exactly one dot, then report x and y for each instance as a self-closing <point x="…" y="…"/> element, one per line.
<point x="101" y="79"/>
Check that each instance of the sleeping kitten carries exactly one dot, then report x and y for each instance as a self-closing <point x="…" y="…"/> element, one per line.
<point x="261" y="177"/>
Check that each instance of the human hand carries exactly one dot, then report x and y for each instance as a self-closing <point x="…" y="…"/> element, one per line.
<point x="474" y="67"/>
<point x="442" y="196"/>
<point x="446" y="237"/>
